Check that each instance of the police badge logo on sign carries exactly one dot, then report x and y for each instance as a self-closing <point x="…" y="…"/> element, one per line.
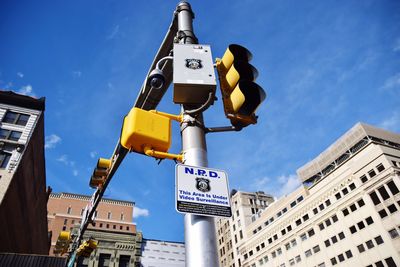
<point x="203" y="184"/>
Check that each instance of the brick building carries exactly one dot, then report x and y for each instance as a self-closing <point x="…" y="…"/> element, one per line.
<point x="23" y="196"/>
<point x="118" y="242"/>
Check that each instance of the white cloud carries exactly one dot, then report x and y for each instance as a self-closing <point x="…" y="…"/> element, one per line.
<point x="20" y="74"/>
<point x="113" y="33"/>
<point x="51" y="141"/>
<point x="76" y="74"/>
<point x="397" y="45"/>
<point x="93" y="154"/>
<point x="26" y="90"/>
<point x="137" y="212"/>
<point x="392" y="82"/>
<point x="278" y="187"/>
<point x="75" y="173"/>
<point x="64" y="159"/>
<point x="392" y="123"/>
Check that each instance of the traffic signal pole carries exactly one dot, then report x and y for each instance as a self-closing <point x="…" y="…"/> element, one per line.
<point x="200" y="238"/>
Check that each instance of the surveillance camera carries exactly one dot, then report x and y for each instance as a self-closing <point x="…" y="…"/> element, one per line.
<point x="156" y="79"/>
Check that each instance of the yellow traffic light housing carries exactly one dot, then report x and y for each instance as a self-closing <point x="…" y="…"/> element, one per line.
<point x="240" y="94"/>
<point x="149" y="132"/>
<point x="86" y="248"/>
<point x="62" y="243"/>
<point x="100" y="172"/>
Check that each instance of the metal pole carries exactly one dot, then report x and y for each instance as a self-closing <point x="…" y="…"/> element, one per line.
<point x="200" y="240"/>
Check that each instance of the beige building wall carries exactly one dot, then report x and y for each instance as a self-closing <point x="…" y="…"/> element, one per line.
<point x="231" y="233"/>
<point x="349" y="214"/>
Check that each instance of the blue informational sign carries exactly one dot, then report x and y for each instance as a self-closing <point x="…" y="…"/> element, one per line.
<point x="202" y="191"/>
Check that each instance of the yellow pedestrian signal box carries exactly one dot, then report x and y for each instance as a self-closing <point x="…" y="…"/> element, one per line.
<point x="62" y="242"/>
<point x="240" y="94"/>
<point x="86" y="248"/>
<point x="148" y="132"/>
<point x="100" y="172"/>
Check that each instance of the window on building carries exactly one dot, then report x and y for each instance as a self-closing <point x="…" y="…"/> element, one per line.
<point x="352" y="229"/>
<point x="283" y="232"/>
<point x="120" y="227"/>
<point x="371" y="173"/>
<point x="107" y="225"/>
<point x="334" y="239"/>
<point x="298" y="258"/>
<point x="333" y="261"/>
<point x="321" y="207"/>
<point x="303" y="237"/>
<point x="392" y="208"/>
<point x="65" y="221"/>
<point x="360" y="203"/>
<point x="393" y="188"/>
<point x="311" y="233"/>
<point x="114" y="226"/>
<point x="315" y="211"/>
<point x="369" y="220"/>
<point x="361" y="225"/>
<point x="345" y="191"/>
<point x="308" y="253"/>
<point x="69" y="210"/>
<point x="390" y="262"/>
<point x="328" y="222"/>
<point x="345" y="212"/>
<point x="349" y="254"/>
<point x="327" y="243"/>
<point x="4" y="159"/>
<point x="287" y="246"/>
<point x="378" y="240"/>
<point x="122" y="217"/>
<point x="291" y="262"/>
<point x="380" y="167"/>
<point x="240" y="234"/>
<point x="379" y="264"/>
<point x="338" y="196"/>
<point x="353" y="207"/>
<point x="124" y="260"/>
<point x="384" y="194"/>
<point x="316" y="249"/>
<point x="363" y="178"/>
<point x="382" y="213"/>
<point x="361" y="248"/>
<point x="340" y="257"/>
<point x="293" y="204"/>
<point x="15" y="118"/>
<point x="352" y="186"/>
<point x="273" y="254"/>
<point x="289" y="228"/>
<point x="10" y="135"/>
<point x="341" y="235"/>
<point x="369" y="244"/>
<point x="393" y="233"/>
<point x="298" y="222"/>
<point x="334" y="218"/>
<point x="279" y="251"/>
<point x="109" y="215"/>
<point x="104" y="260"/>
<point x="101" y="225"/>
<point x="328" y="202"/>
<point x="293" y="242"/>
<point x="374" y="197"/>
<point x="321" y="226"/>
<point x="305" y="217"/>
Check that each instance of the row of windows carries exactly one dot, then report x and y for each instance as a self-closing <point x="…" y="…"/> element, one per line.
<point x="10" y="135"/>
<point x="361" y="225"/>
<point x="389" y="262"/>
<point x="372" y="173"/>
<point x="321" y="206"/>
<point x="341" y="257"/>
<point x="353" y="207"/>
<point x="15" y="118"/>
<point x="4" y="159"/>
<point x="370" y="244"/>
<point x="109" y="214"/>
<point x="328" y="222"/>
<point x="334" y="239"/>
<point x="391" y="208"/>
<point x="383" y="192"/>
<point x="345" y="191"/>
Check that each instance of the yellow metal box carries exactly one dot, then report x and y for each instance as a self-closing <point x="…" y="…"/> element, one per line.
<point x="145" y="128"/>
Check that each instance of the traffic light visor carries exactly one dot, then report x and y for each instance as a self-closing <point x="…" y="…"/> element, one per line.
<point x="234" y="52"/>
<point x="246" y="97"/>
<point x="240" y="70"/>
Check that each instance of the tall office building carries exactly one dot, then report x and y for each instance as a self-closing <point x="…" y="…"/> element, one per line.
<point x="346" y="213"/>
<point x="23" y="196"/>
<point x="231" y="233"/>
<point x="119" y="244"/>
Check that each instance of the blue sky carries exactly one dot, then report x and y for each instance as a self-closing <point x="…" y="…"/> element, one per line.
<point x="325" y="66"/>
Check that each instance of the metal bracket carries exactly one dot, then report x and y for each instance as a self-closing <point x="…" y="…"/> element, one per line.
<point x="222" y="129"/>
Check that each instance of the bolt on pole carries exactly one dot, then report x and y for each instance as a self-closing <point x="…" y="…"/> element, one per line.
<point x="200" y="240"/>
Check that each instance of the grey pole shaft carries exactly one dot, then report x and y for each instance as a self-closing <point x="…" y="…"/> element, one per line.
<point x="200" y="239"/>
